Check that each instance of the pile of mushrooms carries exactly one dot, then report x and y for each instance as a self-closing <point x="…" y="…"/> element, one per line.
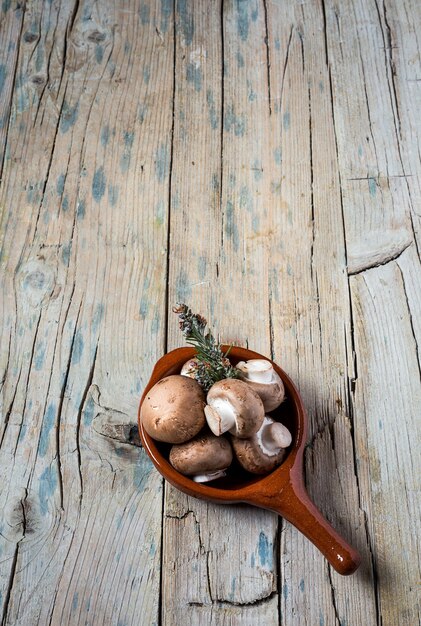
<point x="207" y="431"/>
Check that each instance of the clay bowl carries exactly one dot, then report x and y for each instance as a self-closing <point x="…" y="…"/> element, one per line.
<point x="281" y="491"/>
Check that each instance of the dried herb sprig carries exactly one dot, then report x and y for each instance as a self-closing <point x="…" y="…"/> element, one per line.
<point x="213" y="364"/>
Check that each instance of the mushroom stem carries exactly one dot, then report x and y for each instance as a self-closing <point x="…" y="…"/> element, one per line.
<point x="220" y="416"/>
<point x="257" y="370"/>
<point x="205" y="478"/>
<point x="274" y="437"/>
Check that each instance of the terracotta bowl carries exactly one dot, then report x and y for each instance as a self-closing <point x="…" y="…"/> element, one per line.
<point x="281" y="491"/>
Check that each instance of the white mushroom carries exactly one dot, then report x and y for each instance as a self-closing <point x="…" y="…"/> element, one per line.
<point x="261" y="376"/>
<point x="173" y="409"/>
<point x="265" y="450"/>
<point x="204" y="458"/>
<point x="189" y="368"/>
<point x="233" y="406"/>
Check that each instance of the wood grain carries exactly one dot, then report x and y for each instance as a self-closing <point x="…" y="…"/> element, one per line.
<point x="259" y="160"/>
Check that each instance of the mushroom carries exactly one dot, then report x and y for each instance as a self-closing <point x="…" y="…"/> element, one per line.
<point x="173" y="409"/>
<point x="189" y="368"/>
<point x="265" y="450"/>
<point x="204" y="458"/>
<point x="261" y="376"/>
<point x="232" y="405"/>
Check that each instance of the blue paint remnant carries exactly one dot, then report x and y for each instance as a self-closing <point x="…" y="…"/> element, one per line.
<point x="231" y="229"/>
<point x="78" y="347"/>
<point x="112" y="194"/>
<point x="88" y="414"/>
<point x="240" y="60"/>
<point x="65" y="253"/>
<point x="231" y="181"/>
<point x="126" y="156"/>
<point x="46" y="488"/>
<point x="289" y="270"/>
<point x="186" y="21"/>
<point x="68" y="116"/>
<point x="194" y="76"/>
<point x="141" y="470"/>
<point x="65" y="203"/>
<point x="372" y="186"/>
<point x="127" y="47"/>
<point x="258" y="170"/>
<point x="380" y="424"/>
<point x="146" y="74"/>
<point x="232" y="122"/>
<point x="22" y="433"/>
<point x="39" y="356"/>
<point x="216" y="182"/>
<point x="213" y="116"/>
<point x="75" y="601"/>
<point x="144" y="14"/>
<point x="80" y="210"/>
<point x="301" y="584"/>
<point x="263" y="549"/>
<point x="285" y="591"/>
<point x="141" y="112"/>
<point x="119" y="521"/>
<point x="162" y="163"/>
<point x="252" y="560"/>
<point x="166" y="12"/>
<point x="321" y="86"/>
<point x="242" y="20"/>
<point x="97" y="317"/>
<point x="105" y="135"/>
<point x="3" y="74"/>
<point x="201" y="267"/>
<point x="160" y="212"/>
<point x="143" y="306"/>
<point x="98" y="184"/>
<point x="255" y="223"/>
<point x="360" y="151"/>
<point x="232" y="592"/>
<point x="246" y="201"/>
<point x="252" y="95"/>
<point x="6" y="4"/>
<point x="182" y="287"/>
<point x="88" y="604"/>
<point x="277" y="155"/>
<point x="321" y="620"/>
<point x="287" y="120"/>
<point x="32" y="194"/>
<point x="60" y="184"/>
<point x="155" y="323"/>
<point x="152" y="549"/>
<point x="277" y="43"/>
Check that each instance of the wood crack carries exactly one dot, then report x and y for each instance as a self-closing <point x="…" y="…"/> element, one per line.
<point x="267" y="44"/>
<point x="221" y="175"/>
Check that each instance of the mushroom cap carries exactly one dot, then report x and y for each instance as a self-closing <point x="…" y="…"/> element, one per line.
<point x="251" y="455"/>
<point x="189" y="368"/>
<point x="272" y="392"/>
<point x="239" y="402"/>
<point x="173" y="409"/>
<point x="203" y="454"/>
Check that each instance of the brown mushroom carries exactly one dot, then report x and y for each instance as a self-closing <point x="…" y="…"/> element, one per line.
<point x="173" y="409"/>
<point x="265" y="450"/>
<point x="233" y="406"/>
<point x="204" y="458"/>
<point x="261" y="376"/>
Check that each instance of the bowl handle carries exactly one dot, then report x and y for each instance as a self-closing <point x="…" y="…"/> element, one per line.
<point x="296" y="506"/>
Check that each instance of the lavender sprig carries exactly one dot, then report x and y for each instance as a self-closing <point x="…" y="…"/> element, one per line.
<point x="213" y="364"/>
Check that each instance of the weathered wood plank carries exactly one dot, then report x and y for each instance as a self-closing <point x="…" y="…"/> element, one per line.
<point x="85" y="193"/>
<point x="387" y="401"/>
<point x="217" y="560"/>
<point x="310" y="312"/>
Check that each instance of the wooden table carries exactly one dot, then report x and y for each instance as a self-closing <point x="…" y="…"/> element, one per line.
<point x="261" y="162"/>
